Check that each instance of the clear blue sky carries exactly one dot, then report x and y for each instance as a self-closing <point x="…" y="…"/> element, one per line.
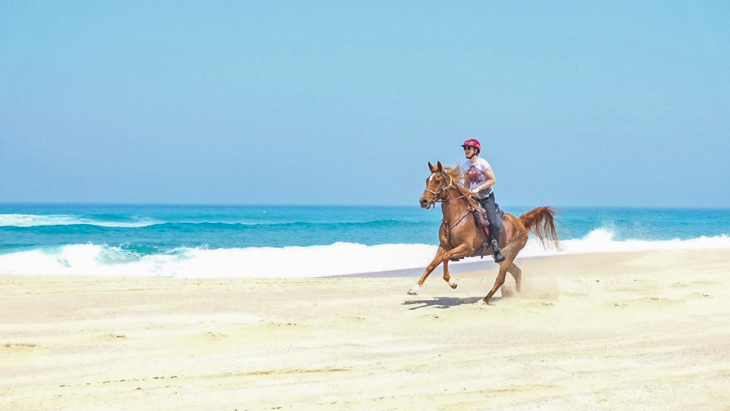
<point x="584" y="103"/>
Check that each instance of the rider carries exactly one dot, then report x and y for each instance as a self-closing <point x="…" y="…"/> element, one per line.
<point x="479" y="176"/>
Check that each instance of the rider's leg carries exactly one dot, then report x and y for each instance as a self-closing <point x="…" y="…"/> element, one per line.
<point x="490" y="207"/>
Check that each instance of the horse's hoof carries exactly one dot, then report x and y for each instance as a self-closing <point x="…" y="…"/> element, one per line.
<point x="454" y="284"/>
<point x="414" y="290"/>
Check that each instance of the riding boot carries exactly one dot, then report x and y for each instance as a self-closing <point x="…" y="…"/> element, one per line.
<point x="498" y="257"/>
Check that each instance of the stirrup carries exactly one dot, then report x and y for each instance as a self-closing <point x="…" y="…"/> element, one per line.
<point x="498" y="256"/>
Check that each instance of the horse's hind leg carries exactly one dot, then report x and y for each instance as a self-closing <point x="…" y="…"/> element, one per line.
<point x="498" y="281"/>
<point x="510" y="254"/>
<point x="434" y="263"/>
<point x="517" y="274"/>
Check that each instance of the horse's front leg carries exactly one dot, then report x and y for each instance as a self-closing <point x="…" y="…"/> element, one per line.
<point x="434" y="263"/>
<point x="458" y="252"/>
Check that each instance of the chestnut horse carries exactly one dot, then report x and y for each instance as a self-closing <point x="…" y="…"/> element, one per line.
<point x="460" y="237"/>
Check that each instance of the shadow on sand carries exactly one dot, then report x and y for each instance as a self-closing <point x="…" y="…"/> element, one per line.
<point x="445" y="302"/>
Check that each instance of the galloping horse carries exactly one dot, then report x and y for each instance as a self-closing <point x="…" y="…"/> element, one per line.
<point x="460" y="237"/>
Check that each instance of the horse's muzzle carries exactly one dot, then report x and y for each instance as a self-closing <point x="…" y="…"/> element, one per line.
<point x="425" y="203"/>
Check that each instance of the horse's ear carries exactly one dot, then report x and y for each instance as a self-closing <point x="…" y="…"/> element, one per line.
<point x="431" y="168"/>
<point x="439" y="167"/>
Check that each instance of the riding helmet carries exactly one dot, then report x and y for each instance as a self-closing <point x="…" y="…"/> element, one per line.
<point x="472" y="142"/>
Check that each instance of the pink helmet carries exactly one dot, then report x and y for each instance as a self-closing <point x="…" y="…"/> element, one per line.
<point x="472" y="142"/>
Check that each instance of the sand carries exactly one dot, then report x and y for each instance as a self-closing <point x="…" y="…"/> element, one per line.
<point x="647" y="331"/>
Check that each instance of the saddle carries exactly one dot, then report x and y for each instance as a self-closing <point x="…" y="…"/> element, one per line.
<point x="480" y="217"/>
<point x="481" y="220"/>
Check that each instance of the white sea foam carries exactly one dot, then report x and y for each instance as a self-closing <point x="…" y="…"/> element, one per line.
<point x="602" y="241"/>
<point x="335" y="259"/>
<point x="35" y="220"/>
<point x="316" y="261"/>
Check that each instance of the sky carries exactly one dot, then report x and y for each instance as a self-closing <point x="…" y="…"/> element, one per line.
<point x="576" y="103"/>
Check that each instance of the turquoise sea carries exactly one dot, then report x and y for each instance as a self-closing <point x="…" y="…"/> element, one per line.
<point x="264" y="241"/>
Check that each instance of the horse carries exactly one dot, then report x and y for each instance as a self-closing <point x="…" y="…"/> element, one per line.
<point x="460" y="237"/>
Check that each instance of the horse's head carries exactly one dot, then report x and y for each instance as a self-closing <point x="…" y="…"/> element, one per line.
<point x="437" y="185"/>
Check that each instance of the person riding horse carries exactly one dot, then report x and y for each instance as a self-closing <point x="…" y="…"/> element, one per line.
<point x="479" y="177"/>
<point x="461" y="237"/>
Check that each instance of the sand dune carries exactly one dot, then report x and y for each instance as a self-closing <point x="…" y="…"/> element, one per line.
<point x="644" y="331"/>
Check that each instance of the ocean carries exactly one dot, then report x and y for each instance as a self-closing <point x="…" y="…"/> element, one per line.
<point x="219" y="241"/>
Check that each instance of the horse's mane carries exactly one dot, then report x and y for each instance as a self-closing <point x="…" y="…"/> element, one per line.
<point x="458" y="178"/>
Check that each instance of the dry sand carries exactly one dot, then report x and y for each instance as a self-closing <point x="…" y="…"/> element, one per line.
<point x="647" y="331"/>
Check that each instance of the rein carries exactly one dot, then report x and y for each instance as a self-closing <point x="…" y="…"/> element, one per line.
<point x="446" y="200"/>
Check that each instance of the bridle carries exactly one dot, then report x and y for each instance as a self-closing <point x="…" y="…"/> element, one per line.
<point x="444" y="187"/>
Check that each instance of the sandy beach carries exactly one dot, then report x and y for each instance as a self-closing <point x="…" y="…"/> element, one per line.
<point x="645" y="330"/>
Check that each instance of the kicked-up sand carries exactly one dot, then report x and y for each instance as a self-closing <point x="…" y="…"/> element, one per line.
<point x="632" y="331"/>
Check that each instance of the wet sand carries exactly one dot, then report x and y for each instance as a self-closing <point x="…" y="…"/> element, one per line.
<point x="647" y="330"/>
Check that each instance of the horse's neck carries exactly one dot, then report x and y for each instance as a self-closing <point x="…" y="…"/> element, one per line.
<point x="454" y="206"/>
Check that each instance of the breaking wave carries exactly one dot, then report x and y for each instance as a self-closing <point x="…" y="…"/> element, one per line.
<point x="340" y="258"/>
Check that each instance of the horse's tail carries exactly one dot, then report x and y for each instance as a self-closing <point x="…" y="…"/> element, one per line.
<point x="541" y="222"/>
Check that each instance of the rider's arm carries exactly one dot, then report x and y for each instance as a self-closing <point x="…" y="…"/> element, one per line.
<point x="491" y="180"/>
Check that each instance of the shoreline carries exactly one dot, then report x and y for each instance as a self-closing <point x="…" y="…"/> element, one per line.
<point x="461" y="267"/>
<point x="471" y="266"/>
<point x="645" y="330"/>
